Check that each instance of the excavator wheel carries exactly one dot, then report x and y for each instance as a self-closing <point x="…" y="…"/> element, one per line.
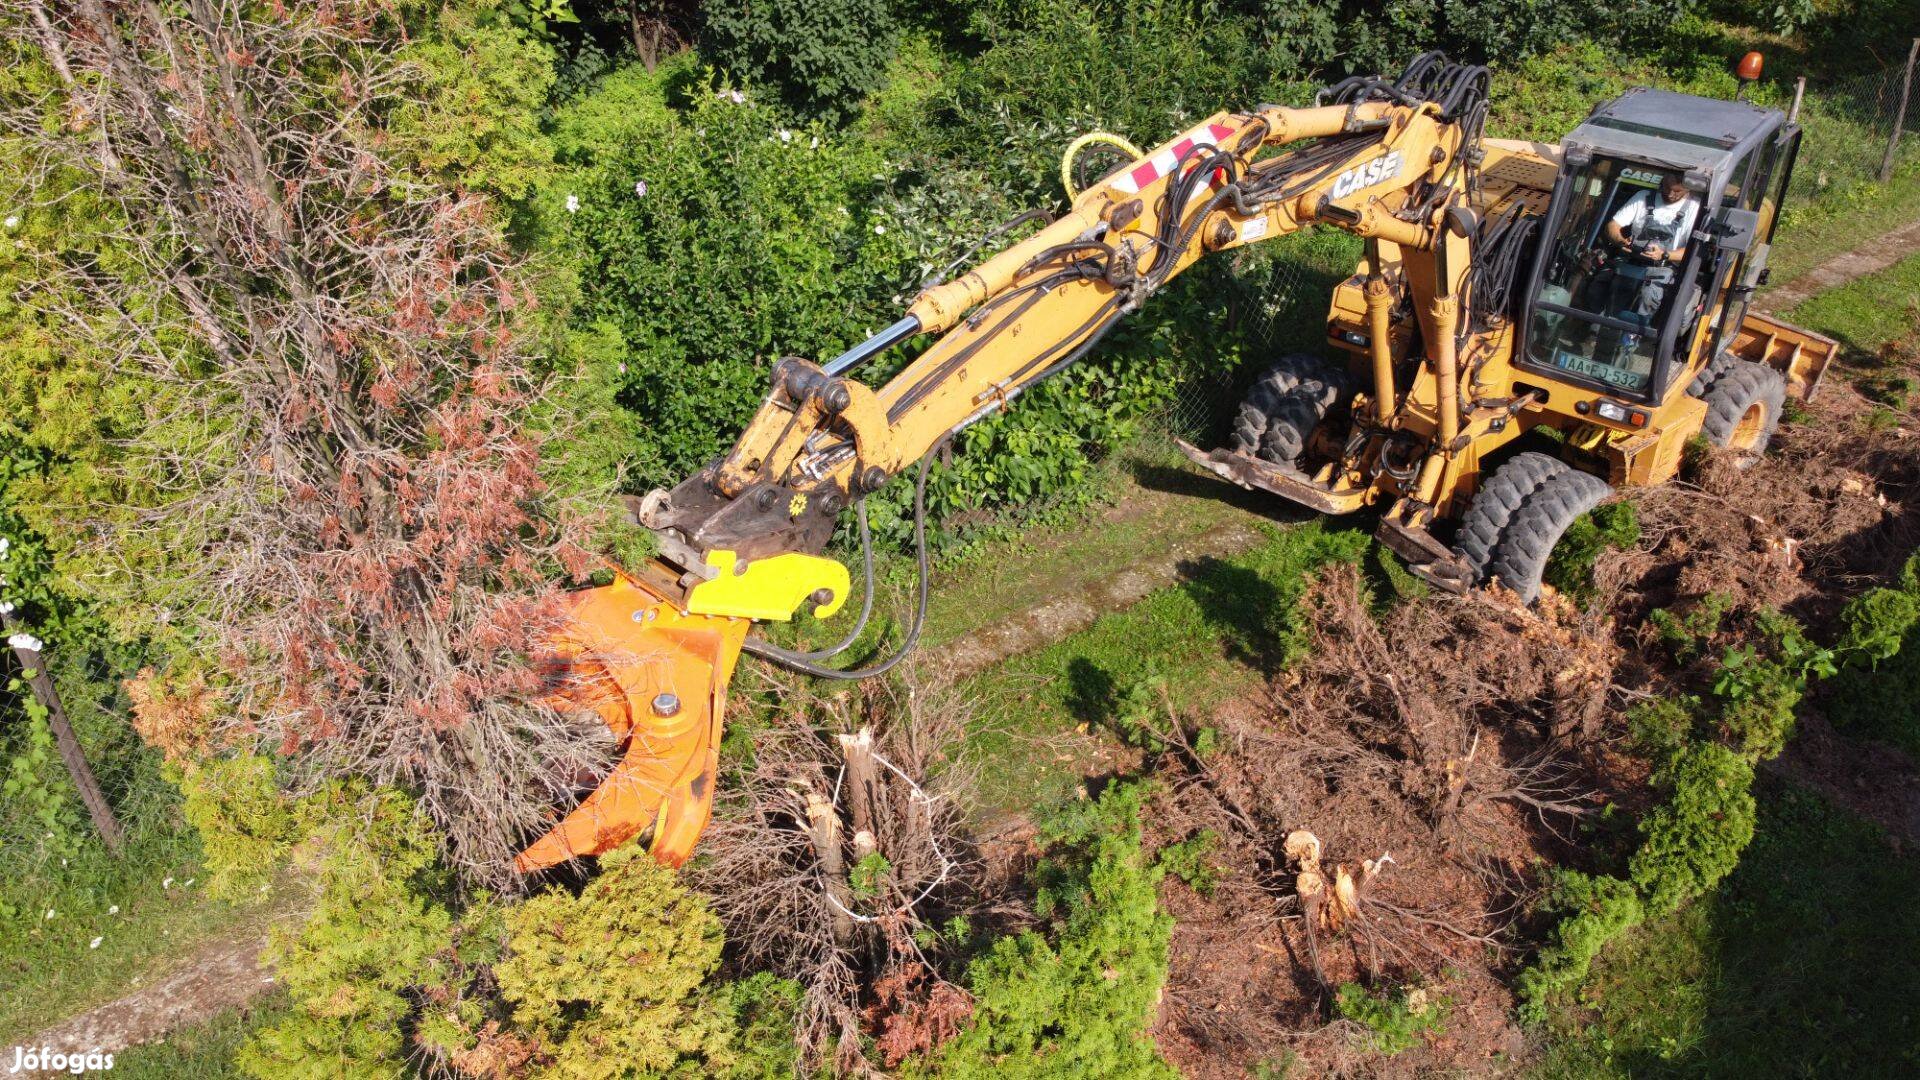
<point x="1285" y="404"/>
<point x="1520" y="558"/>
<point x="1743" y="409"/>
<point x="1721" y="363"/>
<point x="1495" y="504"/>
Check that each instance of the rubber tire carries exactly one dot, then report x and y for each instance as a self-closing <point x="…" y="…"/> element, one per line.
<point x="1495" y="503"/>
<point x="1716" y="368"/>
<point x="1744" y="385"/>
<point x="1520" y="559"/>
<point x="1285" y="404"/>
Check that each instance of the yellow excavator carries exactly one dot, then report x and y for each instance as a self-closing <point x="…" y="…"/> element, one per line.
<point x="1594" y="295"/>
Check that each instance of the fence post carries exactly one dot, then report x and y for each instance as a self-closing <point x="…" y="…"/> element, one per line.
<point x="1899" y="118"/>
<point x="1799" y="95"/>
<point x="32" y="659"/>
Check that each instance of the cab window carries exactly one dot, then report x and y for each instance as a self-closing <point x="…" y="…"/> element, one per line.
<point x="1603" y="304"/>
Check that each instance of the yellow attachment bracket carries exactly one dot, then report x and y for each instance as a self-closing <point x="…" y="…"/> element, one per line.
<point x="769" y="589"/>
<point x="1589" y="437"/>
<point x="1092" y="138"/>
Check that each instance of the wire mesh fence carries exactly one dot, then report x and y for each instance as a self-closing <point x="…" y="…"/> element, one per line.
<point x="1857" y="132"/>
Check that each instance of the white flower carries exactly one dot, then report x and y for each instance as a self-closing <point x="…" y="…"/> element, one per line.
<point x="114" y="910"/>
<point x="26" y="642"/>
<point x="167" y="884"/>
<point x="640" y="189"/>
<point x="187" y="883"/>
<point x="623" y="367"/>
<point x="815" y="144"/>
<point x="95" y="943"/>
<point x="6" y="607"/>
<point x="736" y="97"/>
<point x="785" y="135"/>
<point x="13" y="221"/>
<point x="573" y="204"/>
<point x="879" y="230"/>
<point x="48" y="915"/>
<point x="4" y="545"/>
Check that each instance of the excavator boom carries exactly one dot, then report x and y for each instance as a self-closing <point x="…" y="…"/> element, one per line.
<point x="742" y="540"/>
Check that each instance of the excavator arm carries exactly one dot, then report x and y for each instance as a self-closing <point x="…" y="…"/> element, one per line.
<point x="742" y="540"/>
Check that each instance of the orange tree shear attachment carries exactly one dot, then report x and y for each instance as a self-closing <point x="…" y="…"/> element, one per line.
<point x="658" y="677"/>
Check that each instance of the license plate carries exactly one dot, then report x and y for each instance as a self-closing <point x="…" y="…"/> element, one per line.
<point x="1593" y="369"/>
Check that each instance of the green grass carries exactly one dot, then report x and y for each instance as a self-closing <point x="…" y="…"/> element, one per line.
<point x="203" y="1052"/>
<point x="1800" y="964"/>
<point x="1157" y="501"/>
<point x="1868" y="312"/>
<point x="1817" y="229"/>
<point x="1043" y="716"/>
<point x="49" y="967"/>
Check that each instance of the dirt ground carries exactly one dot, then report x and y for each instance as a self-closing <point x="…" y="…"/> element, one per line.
<point x="1460" y="743"/>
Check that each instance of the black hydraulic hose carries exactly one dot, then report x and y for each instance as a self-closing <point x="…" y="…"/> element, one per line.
<point x="798" y="661"/>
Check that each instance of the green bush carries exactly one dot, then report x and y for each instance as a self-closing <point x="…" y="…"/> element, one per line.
<point x="1874" y="694"/>
<point x="1593" y="910"/>
<point x="1080" y="1004"/>
<point x="378" y="932"/>
<point x="1661" y="726"/>
<point x="1394" y="1021"/>
<point x="612" y="981"/>
<point x="1191" y="860"/>
<point x="246" y="825"/>
<point x="823" y="56"/>
<point x="1694" y="838"/>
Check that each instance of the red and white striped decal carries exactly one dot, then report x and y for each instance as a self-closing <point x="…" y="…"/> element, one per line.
<point x="1162" y="163"/>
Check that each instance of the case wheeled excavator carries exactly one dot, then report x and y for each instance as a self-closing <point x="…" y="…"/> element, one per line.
<point x="1597" y="291"/>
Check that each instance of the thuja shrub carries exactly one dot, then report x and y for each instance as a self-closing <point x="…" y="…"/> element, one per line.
<point x="1570" y="567"/>
<point x="377" y="933"/>
<point x="1076" y="1001"/>
<point x="246" y="824"/>
<point x="1395" y="1019"/>
<point x="1593" y="910"/>
<point x="613" y="981"/>
<point x="1694" y="838"/>
<point x="1880" y="643"/>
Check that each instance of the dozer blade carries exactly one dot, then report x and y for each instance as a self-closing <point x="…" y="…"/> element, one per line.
<point x="658" y="678"/>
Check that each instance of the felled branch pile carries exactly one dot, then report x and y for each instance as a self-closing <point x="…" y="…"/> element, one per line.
<point x="833" y="849"/>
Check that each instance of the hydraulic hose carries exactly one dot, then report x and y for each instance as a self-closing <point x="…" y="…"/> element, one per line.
<point x="803" y="662"/>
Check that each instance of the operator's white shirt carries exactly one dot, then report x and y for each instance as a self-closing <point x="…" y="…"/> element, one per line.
<point x="1646" y="216"/>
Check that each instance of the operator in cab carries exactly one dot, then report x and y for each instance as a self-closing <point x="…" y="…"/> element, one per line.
<point x="1650" y="232"/>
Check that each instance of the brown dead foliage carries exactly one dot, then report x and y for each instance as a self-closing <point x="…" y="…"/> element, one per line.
<point x="876" y="773"/>
<point x="1433" y="755"/>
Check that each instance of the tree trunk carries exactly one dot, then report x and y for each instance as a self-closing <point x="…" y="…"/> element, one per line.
<point x="104" y="820"/>
<point x="823" y="828"/>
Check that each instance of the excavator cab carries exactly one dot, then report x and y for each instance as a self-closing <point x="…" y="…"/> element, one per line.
<point x="1655" y="240"/>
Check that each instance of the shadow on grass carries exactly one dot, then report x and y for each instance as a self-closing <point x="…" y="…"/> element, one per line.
<point x="1801" y="964"/>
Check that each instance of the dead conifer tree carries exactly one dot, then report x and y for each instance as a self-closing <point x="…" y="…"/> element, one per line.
<point x="339" y="500"/>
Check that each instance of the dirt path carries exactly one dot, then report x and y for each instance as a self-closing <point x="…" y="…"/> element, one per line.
<point x="1870" y="257"/>
<point x="221" y="976"/>
<point x="1061" y="616"/>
